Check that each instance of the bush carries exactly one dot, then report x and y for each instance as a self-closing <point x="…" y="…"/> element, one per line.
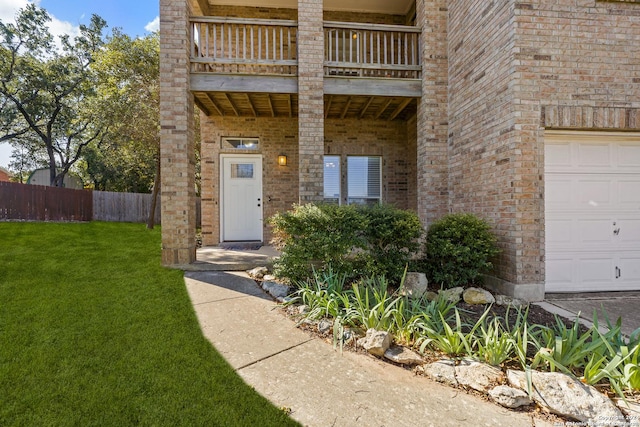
<point x="355" y="241"/>
<point x="458" y="249"/>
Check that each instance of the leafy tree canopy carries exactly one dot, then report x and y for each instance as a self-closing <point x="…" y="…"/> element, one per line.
<point x="47" y="93"/>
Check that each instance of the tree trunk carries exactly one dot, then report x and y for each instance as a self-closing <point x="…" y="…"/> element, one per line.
<point x="154" y="197"/>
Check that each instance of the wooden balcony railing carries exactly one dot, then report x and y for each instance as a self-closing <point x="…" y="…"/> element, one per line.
<point x="248" y="46"/>
<point x="258" y="46"/>
<point x="368" y="50"/>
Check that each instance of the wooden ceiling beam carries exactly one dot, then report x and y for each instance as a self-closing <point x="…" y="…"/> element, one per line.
<point x="215" y="104"/>
<point x="271" y="107"/>
<point x="400" y="108"/>
<point x="346" y="108"/>
<point x="202" y="107"/>
<point x="366" y="107"/>
<point x="233" y="106"/>
<point x="253" y="108"/>
<point x="327" y="106"/>
<point x="204" y="7"/>
<point x="384" y="107"/>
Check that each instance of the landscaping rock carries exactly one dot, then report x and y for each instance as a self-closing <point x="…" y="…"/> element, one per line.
<point x="510" y="397"/>
<point x="258" y="272"/>
<point x="507" y="300"/>
<point x="629" y="408"/>
<point x="376" y="342"/>
<point x="443" y="371"/>
<point x="430" y="296"/>
<point x="478" y="296"/>
<point x="269" y="277"/>
<point x="478" y="376"/>
<point x="563" y="395"/>
<point x="324" y="326"/>
<point x="415" y="285"/>
<point x="454" y="294"/>
<point x="303" y="309"/>
<point x="276" y="290"/>
<point x="403" y="356"/>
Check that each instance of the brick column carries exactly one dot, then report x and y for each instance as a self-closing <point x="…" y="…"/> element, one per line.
<point x="432" y="128"/>
<point x="311" y="100"/>
<point x="176" y="136"/>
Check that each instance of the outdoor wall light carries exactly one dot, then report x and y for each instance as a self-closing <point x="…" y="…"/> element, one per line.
<point x="282" y="160"/>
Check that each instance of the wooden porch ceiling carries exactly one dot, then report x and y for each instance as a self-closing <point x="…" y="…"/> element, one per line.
<point x="286" y="105"/>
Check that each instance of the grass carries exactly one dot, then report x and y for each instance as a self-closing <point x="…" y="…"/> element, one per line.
<point x="93" y="331"/>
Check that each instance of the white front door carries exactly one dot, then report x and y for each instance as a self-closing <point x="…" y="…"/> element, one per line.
<point x="241" y="211"/>
<point x="592" y="210"/>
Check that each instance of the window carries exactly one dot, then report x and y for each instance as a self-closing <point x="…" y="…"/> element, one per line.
<point x="363" y="180"/>
<point x="332" y="179"/>
<point x="240" y="143"/>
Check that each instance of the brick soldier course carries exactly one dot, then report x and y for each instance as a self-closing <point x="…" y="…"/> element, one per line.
<point x="494" y="77"/>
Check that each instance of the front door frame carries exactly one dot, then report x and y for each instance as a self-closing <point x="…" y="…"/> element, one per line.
<point x="223" y="157"/>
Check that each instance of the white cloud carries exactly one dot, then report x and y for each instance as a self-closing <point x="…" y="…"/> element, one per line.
<point x="153" y="25"/>
<point x="9" y="8"/>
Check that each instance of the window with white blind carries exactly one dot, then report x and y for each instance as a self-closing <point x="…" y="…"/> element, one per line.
<point x="332" y="179"/>
<point x="364" y="180"/>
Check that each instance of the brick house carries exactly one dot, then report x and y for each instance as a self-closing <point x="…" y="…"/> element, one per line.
<point x="5" y="175"/>
<point x="525" y="113"/>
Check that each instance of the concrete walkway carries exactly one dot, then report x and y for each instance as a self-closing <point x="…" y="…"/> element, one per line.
<point x="320" y="386"/>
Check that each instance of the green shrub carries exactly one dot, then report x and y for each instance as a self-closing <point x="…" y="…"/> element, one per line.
<point x="355" y="241"/>
<point x="458" y="249"/>
<point x="392" y="237"/>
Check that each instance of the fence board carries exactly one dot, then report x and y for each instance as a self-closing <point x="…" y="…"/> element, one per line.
<point x="123" y="207"/>
<point x="41" y="203"/>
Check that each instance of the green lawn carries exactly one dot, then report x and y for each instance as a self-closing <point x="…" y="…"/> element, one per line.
<point x="93" y="331"/>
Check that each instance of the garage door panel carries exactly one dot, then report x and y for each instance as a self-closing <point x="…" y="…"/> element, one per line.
<point x="629" y="269"/>
<point x="628" y="194"/>
<point x="627" y="232"/>
<point x="592" y="212"/>
<point x="629" y="156"/>
<point x="593" y="155"/>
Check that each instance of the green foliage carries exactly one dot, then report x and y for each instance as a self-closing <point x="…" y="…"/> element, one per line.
<point x="494" y="345"/>
<point x="392" y="237"/>
<point x="99" y="333"/>
<point x="357" y="241"/>
<point x="459" y="248"/>
<point x="316" y="237"/>
<point x="372" y="305"/>
<point x="324" y="295"/>
<point x="46" y="91"/>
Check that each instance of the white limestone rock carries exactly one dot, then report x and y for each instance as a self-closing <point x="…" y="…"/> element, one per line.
<point x="376" y="342"/>
<point x="415" y="285"/>
<point x="442" y="371"/>
<point x="510" y="397"/>
<point x="276" y="290"/>
<point x="258" y="273"/>
<point x="564" y="395"/>
<point x="403" y="356"/>
<point x="478" y="376"/>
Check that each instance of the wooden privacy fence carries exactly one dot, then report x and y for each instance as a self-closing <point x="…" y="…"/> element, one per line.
<point x="40" y="203"/>
<point x="123" y="207"/>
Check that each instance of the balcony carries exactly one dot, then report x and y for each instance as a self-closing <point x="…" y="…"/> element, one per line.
<point x="242" y="66"/>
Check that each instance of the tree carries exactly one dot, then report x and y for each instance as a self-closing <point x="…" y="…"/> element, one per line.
<point x="46" y="92"/>
<point x="129" y="87"/>
<point x="129" y="99"/>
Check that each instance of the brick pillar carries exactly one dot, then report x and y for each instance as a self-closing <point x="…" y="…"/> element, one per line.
<point x="432" y="127"/>
<point x="176" y="136"/>
<point x="311" y="100"/>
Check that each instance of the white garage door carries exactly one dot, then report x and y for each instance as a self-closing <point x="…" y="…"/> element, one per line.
<point x="592" y="211"/>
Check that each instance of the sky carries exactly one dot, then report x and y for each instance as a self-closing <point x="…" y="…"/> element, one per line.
<point x="134" y="17"/>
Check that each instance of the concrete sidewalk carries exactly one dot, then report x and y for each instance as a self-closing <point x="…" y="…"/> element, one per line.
<point x="323" y="387"/>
